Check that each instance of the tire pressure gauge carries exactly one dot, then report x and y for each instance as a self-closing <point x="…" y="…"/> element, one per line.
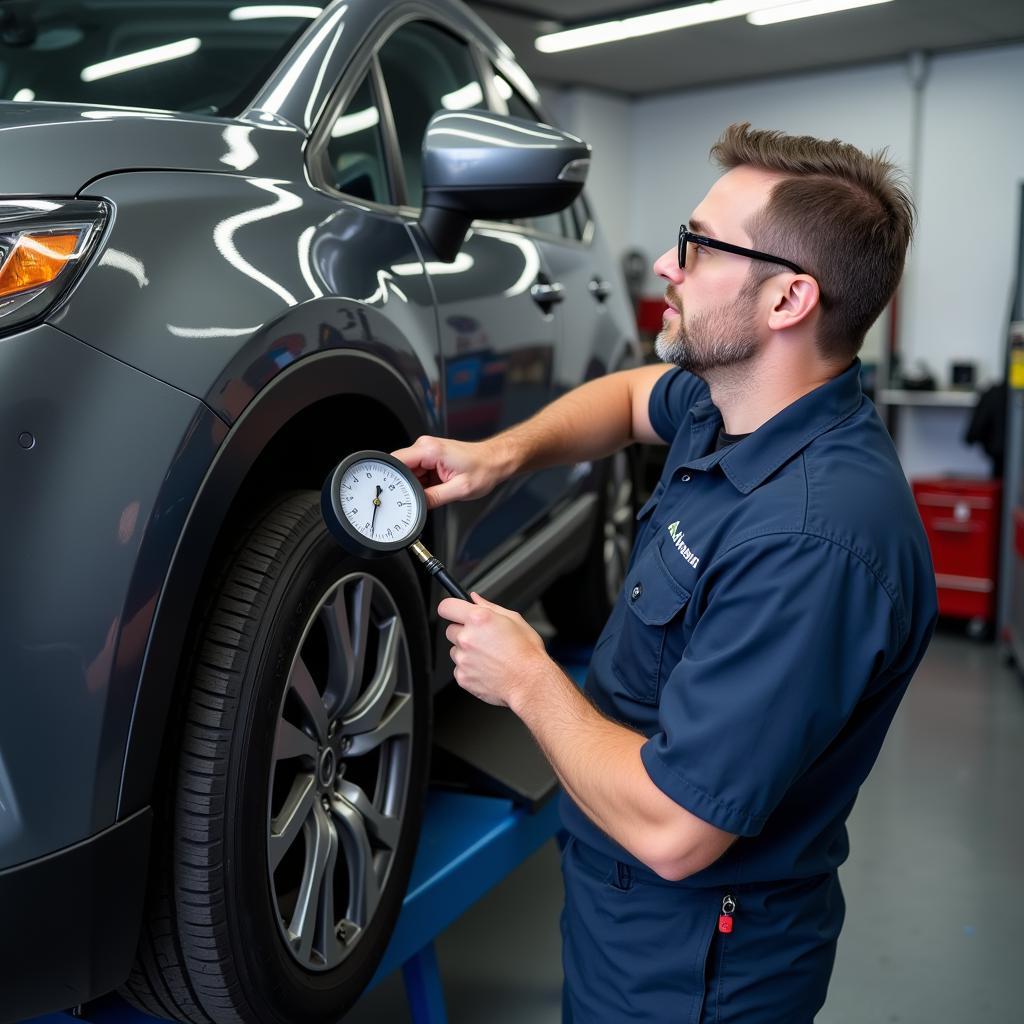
<point x="373" y="505"/>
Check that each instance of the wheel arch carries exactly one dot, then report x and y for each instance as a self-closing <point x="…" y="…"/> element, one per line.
<point x="290" y="436"/>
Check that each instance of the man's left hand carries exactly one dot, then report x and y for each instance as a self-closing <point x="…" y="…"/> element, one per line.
<point x="496" y="651"/>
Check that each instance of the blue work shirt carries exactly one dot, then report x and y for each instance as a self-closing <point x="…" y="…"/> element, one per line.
<point x="779" y="597"/>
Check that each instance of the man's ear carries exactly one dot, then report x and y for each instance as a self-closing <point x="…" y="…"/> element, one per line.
<point x="795" y="303"/>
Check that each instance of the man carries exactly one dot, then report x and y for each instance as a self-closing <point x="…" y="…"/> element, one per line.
<point x="779" y="598"/>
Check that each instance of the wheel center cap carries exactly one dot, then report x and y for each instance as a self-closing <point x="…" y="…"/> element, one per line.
<point x="327" y="767"/>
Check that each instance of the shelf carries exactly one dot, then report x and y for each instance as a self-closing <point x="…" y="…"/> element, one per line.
<point x="935" y="399"/>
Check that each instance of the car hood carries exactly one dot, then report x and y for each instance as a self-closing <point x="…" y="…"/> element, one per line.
<point x="56" y="148"/>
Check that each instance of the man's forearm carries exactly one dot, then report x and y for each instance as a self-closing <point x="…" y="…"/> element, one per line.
<point x="598" y="764"/>
<point x="587" y="423"/>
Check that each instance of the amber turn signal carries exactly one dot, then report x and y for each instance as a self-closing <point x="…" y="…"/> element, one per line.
<point x="36" y="260"/>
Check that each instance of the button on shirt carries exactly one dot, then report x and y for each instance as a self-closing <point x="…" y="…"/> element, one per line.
<point x="779" y="597"/>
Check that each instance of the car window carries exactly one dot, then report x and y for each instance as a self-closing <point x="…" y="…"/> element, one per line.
<point x="425" y="70"/>
<point x="561" y="223"/>
<point x="518" y="106"/>
<point x="160" y="54"/>
<point x="581" y="217"/>
<point x="356" y="149"/>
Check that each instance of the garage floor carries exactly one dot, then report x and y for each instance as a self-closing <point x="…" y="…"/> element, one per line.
<point x="933" y="885"/>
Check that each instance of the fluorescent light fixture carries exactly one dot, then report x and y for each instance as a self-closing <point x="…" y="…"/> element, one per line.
<point x="807" y="9"/>
<point x="274" y="11"/>
<point x="470" y="95"/>
<point x="23" y="96"/>
<point x="649" y="24"/>
<point x="141" y="59"/>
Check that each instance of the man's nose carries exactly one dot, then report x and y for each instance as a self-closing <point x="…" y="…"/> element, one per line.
<point x="667" y="266"/>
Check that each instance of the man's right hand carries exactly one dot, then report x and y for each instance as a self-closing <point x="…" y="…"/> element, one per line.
<point x="455" y="470"/>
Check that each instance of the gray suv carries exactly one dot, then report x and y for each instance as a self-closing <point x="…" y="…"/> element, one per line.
<point x="236" y="244"/>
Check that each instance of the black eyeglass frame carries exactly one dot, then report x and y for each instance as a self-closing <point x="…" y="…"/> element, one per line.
<point x="686" y="236"/>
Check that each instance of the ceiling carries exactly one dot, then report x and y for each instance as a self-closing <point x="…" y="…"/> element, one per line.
<point x="728" y="51"/>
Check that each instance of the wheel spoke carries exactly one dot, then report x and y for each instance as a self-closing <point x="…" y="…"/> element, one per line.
<point x="327" y="939"/>
<point x="320" y="835"/>
<point x="364" y="889"/>
<point x="622" y="516"/>
<point x="290" y="741"/>
<point x="369" y="709"/>
<point x="361" y="608"/>
<point x="396" y="722"/>
<point x="382" y="827"/>
<point x="287" y="825"/>
<point x="305" y="689"/>
<point x="342" y="679"/>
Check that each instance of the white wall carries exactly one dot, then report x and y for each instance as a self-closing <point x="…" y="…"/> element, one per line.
<point x="870" y="107"/>
<point x="602" y="120"/>
<point x="652" y="167"/>
<point x="972" y="164"/>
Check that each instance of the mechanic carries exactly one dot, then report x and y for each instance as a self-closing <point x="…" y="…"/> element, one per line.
<point x="779" y="597"/>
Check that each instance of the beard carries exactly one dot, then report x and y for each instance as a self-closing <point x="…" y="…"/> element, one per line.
<point x="714" y="339"/>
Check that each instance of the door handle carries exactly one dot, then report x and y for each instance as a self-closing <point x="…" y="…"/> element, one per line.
<point x="547" y="294"/>
<point x="599" y="289"/>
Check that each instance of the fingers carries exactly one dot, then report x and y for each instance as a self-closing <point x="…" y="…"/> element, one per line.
<point x="454" y="610"/>
<point x="430" y="459"/>
<point x="443" y="494"/>
<point x="422" y="455"/>
<point x="484" y="603"/>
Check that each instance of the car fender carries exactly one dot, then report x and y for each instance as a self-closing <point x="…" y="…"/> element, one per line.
<point x="324" y="375"/>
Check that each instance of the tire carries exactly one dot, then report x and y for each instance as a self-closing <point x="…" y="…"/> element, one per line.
<point x="578" y="604"/>
<point x="300" y="783"/>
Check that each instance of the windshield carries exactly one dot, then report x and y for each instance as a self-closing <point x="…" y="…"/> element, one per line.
<point x="204" y="56"/>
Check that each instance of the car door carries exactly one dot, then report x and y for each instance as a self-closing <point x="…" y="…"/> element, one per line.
<point x="497" y="328"/>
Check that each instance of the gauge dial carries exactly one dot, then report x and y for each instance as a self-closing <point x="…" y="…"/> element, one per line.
<point x="374" y="504"/>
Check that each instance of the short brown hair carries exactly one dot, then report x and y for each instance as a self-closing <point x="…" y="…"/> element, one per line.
<point x="844" y="215"/>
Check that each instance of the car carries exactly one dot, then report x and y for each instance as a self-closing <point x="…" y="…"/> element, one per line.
<point x="238" y="243"/>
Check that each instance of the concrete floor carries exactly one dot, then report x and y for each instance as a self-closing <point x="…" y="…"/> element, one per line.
<point x="934" y="931"/>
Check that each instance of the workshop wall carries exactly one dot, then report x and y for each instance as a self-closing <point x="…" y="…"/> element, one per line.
<point x="868" y="106"/>
<point x="972" y="164"/>
<point x="603" y="120"/>
<point x="966" y="170"/>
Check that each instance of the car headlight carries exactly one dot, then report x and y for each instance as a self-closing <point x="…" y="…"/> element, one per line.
<point x="44" y="244"/>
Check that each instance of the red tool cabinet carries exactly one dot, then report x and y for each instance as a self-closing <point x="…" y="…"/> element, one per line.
<point x="961" y="518"/>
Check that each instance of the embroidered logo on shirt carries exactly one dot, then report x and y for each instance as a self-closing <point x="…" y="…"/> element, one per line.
<point x="681" y="546"/>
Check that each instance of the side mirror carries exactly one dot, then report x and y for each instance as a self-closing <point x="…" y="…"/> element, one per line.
<point x="478" y="164"/>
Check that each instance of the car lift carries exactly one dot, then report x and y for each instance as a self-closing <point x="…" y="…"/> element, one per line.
<point x="469" y="842"/>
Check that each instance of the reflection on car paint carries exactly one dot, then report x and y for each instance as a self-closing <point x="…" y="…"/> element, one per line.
<point x="224" y="233"/>
<point x="241" y="152"/>
<point x="129" y="264"/>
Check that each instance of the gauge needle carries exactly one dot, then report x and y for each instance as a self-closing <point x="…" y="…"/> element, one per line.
<point x="376" y="505"/>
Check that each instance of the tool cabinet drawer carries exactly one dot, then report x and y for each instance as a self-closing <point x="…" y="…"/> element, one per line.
<point x="961" y="519"/>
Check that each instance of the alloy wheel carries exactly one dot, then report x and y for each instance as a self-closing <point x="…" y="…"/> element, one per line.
<point x="619" y="523"/>
<point x="340" y="771"/>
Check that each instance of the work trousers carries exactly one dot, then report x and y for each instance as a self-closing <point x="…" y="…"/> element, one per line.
<point x="639" y="949"/>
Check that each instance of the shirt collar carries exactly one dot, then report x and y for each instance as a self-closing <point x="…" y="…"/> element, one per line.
<point x="748" y="463"/>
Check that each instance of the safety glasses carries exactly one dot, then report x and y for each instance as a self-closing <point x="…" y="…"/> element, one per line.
<point x="687" y="238"/>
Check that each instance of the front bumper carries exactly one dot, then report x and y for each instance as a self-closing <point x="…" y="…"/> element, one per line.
<point x="70" y="921"/>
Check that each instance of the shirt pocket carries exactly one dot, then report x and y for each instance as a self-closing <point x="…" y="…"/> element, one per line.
<point x="655" y="601"/>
